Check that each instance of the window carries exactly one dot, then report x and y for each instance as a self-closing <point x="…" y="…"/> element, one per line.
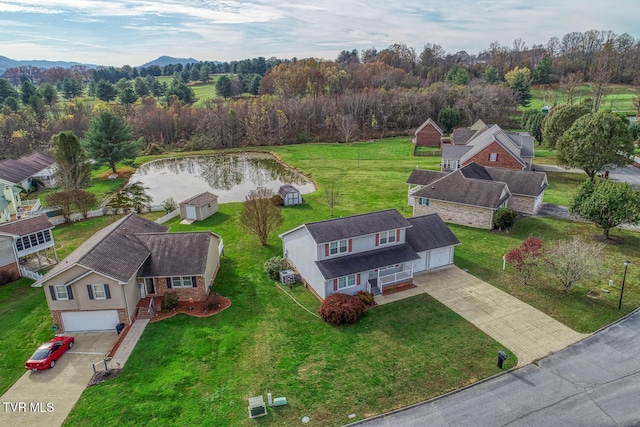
<point x="493" y="157"/>
<point x="333" y="248"/>
<point x="343" y="246"/>
<point x="338" y="247"/>
<point x="423" y="201"/>
<point x="61" y="292"/>
<point x="98" y="292"/>
<point x="182" y="282"/>
<point x="387" y="237"/>
<point x="346" y="281"/>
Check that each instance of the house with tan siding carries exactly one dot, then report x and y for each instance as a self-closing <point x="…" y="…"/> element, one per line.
<point x="100" y="284"/>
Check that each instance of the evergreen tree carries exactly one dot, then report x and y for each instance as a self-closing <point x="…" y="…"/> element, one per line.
<point x="6" y="91"/>
<point x="27" y="90"/>
<point x="105" y="91"/>
<point x="73" y="170"/>
<point x="109" y="140"/>
<point x="223" y="86"/>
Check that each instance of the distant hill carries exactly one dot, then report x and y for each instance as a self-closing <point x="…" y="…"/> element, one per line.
<point x="167" y="60"/>
<point x="10" y="63"/>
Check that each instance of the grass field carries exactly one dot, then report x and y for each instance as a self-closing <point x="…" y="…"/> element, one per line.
<point x="619" y="99"/>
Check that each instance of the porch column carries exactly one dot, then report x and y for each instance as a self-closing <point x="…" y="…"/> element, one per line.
<point x="39" y="260"/>
<point x="55" y="253"/>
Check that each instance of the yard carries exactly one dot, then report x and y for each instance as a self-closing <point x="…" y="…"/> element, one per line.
<point x="191" y="371"/>
<point x="619" y="98"/>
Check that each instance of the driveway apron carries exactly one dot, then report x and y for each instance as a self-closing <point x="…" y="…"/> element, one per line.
<point x="526" y="331"/>
<point x="45" y="398"/>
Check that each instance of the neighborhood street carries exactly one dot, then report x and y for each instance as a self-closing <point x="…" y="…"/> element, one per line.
<point x="595" y="382"/>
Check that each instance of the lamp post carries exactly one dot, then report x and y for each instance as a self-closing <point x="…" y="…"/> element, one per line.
<point x="626" y="265"/>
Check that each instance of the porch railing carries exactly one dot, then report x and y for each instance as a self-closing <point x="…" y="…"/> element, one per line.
<point x="24" y="272"/>
<point x="394" y="278"/>
<point x="152" y="307"/>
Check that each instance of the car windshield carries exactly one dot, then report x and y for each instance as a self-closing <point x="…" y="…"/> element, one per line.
<point x="40" y="353"/>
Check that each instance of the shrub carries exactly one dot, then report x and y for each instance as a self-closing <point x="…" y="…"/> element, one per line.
<point x="341" y="309"/>
<point x="154" y="149"/>
<point x="7" y="276"/>
<point x="170" y="301"/>
<point x="277" y="200"/>
<point x="274" y="266"/>
<point x="169" y="205"/>
<point x="504" y="219"/>
<point x="366" y="298"/>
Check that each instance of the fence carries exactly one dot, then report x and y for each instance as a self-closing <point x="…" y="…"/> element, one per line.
<point x="417" y="151"/>
<point x="57" y="220"/>
<point x="168" y="217"/>
<point x="24" y="272"/>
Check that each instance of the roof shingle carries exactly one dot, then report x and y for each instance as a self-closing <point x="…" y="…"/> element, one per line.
<point x="357" y="225"/>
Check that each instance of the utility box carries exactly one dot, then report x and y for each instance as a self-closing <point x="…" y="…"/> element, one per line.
<point x="279" y="401"/>
<point x="257" y="408"/>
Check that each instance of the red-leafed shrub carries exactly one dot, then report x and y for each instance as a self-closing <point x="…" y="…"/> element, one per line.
<point x="367" y="298"/>
<point x="341" y="309"/>
<point x="526" y="257"/>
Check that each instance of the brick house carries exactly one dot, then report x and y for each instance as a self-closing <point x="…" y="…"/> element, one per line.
<point x="428" y="134"/>
<point x="100" y="284"/>
<point x="488" y="146"/>
<point x="368" y="252"/>
<point x="471" y="195"/>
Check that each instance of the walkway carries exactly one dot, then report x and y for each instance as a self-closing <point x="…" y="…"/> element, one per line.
<point x="526" y="331"/>
<point x="595" y="382"/>
<point x="128" y="343"/>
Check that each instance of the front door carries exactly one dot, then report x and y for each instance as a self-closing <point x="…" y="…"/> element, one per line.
<point x="150" y="287"/>
<point x="142" y="290"/>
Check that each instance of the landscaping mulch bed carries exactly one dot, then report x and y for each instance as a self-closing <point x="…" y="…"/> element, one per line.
<point x="213" y="305"/>
<point x="399" y="288"/>
<point x="103" y="376"/>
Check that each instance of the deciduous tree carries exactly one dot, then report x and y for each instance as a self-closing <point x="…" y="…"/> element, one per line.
<point x="259" y="215"/>
<point x="332" y="193"/>
<point x="559" y="120"/>
<point x="607" y="204"/>
<point x="596" y="142"/>
<point x="571" y="261"/>
<point x="526" y="257"/>
<point x="109" y="140"/>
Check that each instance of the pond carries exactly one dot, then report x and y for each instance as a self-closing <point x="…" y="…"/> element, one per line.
<point x="230" y="176"/>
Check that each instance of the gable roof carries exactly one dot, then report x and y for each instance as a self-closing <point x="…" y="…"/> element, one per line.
<point x="424" y="177"/>
<point x="457" y="188"/>
<point x="200" y="199"/>
<point x="462" y="135"/>
<point x="429" y="232"/>
<point x="350" y="264"/>
<point x="429" y="122"/>
<point x="454" y="152"/>
<point x="26" y="226"/>
<point x="284" y="189"/>
<point x="175" y="254"/>
<point x="493" y="134"/>
<point x="113" y="251"/>
<point x="357" y="225"/>
<point x="525" y="183"/>
<point x="16" y="171"/>
<point x="525" y="141"/>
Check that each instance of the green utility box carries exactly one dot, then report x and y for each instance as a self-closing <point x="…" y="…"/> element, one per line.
<point x="279" y="401"/>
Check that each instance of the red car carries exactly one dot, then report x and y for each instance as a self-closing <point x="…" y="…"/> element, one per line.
<point x="47" y="354"/>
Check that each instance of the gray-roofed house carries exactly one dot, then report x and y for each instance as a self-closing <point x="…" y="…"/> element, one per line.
<point x="290" y="195"/>
<point x="23" y="238"/>
<point x="199" y="207"/>
<point x="100" y="284"/>
<point x="22" y="171"/>
<point x="368" y="252"/>
<point x="428" y="134"/>
<point x="471" y="195"/>
<point x="488" y="146"/>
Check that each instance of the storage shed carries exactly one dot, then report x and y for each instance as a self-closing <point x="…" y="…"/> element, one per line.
<point x="290" y="195"/>
<point x="199" y="207"/>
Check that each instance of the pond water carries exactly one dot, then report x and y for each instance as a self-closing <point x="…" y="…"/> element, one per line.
<point x="230" y="176"/>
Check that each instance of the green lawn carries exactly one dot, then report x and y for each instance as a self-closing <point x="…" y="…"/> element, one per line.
<point x="26" y="323"/>
<point x="619" y="99"/>
<point x="561" y="187"/>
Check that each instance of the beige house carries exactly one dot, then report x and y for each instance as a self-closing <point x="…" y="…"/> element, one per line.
<point x="471" y="195"/>
<point x="100" y="284"/>
<point x="199" y="207"/>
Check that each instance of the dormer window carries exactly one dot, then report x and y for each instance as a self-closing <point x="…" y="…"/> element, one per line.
<point x="387" y="237"/>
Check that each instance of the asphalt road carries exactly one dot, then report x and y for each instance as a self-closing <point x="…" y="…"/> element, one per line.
<point x="595" y="382"/>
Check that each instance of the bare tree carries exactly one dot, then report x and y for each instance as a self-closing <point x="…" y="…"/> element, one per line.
<point x="602" y="71"/>
<point x="346" y="125"/>
<point x="83" y="201"/>
<point x="570" y="83"/>
<point x="259" y="214"/>
<point x="574" y="260"/>
<point x="332" y="194"/>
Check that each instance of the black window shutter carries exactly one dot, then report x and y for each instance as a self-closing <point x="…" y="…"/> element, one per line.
<point x="193" y="282"/>
<point x="168" y="282"/>
<point x="106" y="291"/>
<point x="52" y="290"/>
<point x="90" y="291"/>
<point x="69" y="292"/>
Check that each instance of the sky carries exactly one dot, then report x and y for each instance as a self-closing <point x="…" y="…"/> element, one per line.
<point x="133" y="32"/>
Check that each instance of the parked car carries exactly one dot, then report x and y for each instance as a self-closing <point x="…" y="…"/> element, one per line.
<point x="48" y="353"/>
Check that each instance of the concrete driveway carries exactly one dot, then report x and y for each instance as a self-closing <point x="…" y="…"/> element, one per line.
<point x="45" y="398"/>
<point x="524" y="330"/>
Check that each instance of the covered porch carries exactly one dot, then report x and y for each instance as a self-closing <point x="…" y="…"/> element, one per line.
<point x="385" y="277"/>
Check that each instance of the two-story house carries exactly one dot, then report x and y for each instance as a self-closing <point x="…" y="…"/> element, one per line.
<point x="367" y="252"/>
<point x="100" y="284"/>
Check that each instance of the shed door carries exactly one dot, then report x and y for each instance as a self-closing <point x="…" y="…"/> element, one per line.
<point x="191" y="212"/>
<point x="99" y="320"/>
<point x="439" y="257"/>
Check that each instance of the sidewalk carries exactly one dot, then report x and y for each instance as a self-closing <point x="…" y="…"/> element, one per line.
<point x="524" y="330"/>
<point x="128" y="343"/>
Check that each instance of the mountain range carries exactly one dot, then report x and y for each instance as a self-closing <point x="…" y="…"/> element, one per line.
<point x="11" y="63"/>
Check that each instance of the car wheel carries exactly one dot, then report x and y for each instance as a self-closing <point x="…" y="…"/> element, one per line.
<point x="52" y="364"/>
<point x="71" y="344"/>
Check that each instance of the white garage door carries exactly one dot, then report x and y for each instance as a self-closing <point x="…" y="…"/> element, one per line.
<point x="101" y="320"/>
<point x="420" y="264"/>
<point x="191" y="212"/>
<point x="439" y="257"/>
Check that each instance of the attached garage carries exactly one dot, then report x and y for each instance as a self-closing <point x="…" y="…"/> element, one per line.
<point x="421" y="263"/>
<point x="98" y="320"/>
<point x="440" y="257"/>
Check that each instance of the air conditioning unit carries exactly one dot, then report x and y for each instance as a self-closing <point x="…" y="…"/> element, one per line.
<point x="287" y="277"/>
